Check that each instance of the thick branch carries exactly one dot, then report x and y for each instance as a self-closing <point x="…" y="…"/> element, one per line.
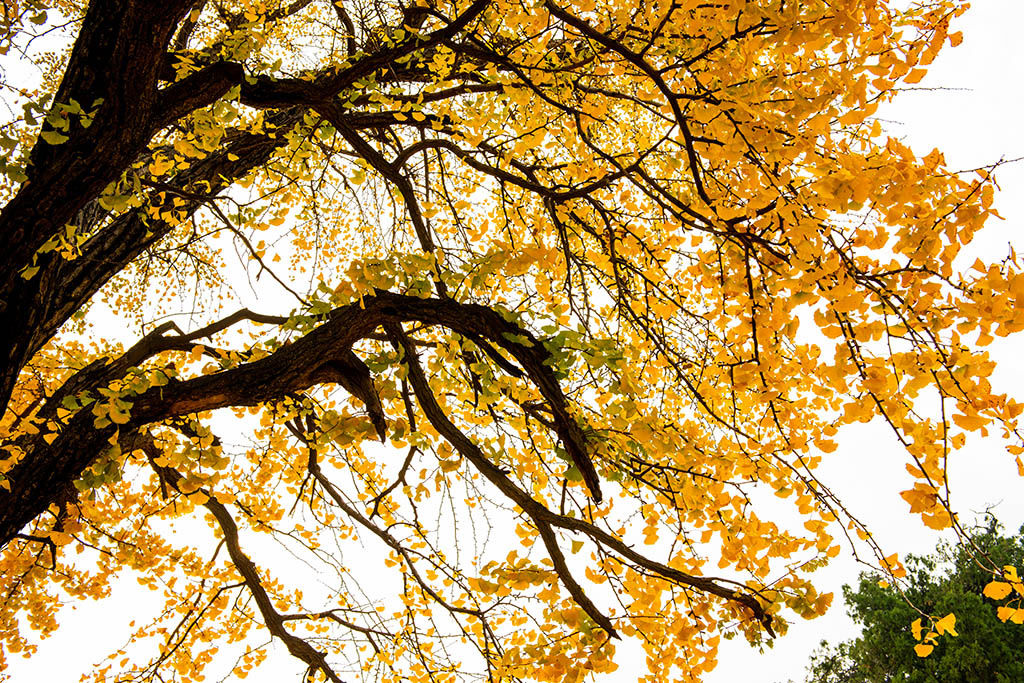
<point x="638" y="61"/>
<point x="63" y="178"/>
<point x="39" y="306"/>
<point x="47" y="468"/>
<point x="195" y="91"/>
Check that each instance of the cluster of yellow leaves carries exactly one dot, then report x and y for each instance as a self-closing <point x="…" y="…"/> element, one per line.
<point x="945" y="625"/>
<point x="1009" y="587"/>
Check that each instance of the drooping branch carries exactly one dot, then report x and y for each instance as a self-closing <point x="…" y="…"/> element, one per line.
<point x="274" y="620"/>
<point x="469" y="450"/>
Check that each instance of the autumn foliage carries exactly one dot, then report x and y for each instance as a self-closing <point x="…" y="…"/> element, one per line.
<point x="452" y="340"/>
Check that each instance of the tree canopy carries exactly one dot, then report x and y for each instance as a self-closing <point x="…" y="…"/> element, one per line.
<point x="445" y="340"/>
<point x="987" y="648"/>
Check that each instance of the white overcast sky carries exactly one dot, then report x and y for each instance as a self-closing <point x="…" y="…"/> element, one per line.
<point x="975" y="119"/>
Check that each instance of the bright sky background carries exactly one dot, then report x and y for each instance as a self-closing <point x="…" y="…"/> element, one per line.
<point x="976" y="123"/>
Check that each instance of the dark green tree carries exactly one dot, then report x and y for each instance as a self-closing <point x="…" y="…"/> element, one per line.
<point x="950" y="580"/>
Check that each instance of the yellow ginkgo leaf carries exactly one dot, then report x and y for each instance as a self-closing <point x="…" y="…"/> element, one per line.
<point x="946" y="625"/>
<point x="923" y="649"/>
<point x="997" y="590"/>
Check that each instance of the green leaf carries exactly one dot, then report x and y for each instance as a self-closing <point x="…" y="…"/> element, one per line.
<point x="118" y="202"/>
<point x="52" y="137"/>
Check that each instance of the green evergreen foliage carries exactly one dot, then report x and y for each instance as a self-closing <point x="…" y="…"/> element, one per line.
<point x="950" y="580"/>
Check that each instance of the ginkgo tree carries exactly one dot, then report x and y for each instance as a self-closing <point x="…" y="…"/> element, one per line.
<point x="498" y="317"/>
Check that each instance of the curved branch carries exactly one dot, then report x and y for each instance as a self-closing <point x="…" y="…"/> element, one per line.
<point x="314" y="359"/>
<point x="639" y="62"/>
